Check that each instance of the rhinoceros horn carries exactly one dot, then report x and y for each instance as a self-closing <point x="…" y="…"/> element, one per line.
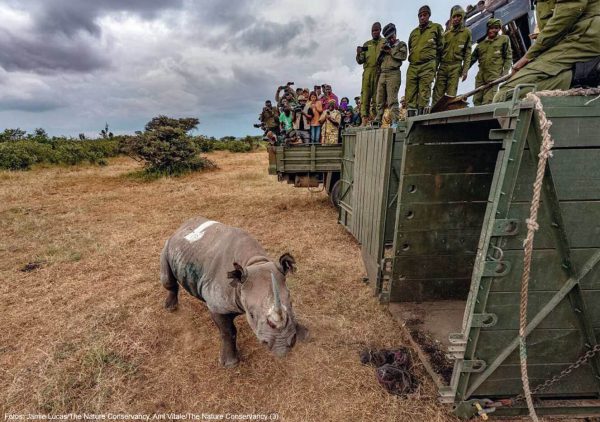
<point x="276" y="310"/>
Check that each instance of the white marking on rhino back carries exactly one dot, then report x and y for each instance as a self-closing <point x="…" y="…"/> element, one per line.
<point x="199" y="231"/>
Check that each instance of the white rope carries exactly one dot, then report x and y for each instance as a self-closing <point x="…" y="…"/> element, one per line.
<point x="533" y="226"/>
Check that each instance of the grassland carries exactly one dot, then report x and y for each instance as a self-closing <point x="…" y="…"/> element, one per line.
<point x="83" y="327"/>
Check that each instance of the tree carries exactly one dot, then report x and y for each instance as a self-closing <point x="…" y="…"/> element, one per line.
<point x="165" y="146"/>
<point x="105" y="133"/>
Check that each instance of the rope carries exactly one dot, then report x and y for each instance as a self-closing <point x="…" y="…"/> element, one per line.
<point x="533" y="226"/>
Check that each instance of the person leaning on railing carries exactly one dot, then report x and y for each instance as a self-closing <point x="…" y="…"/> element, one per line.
<point x="569" y="36"/>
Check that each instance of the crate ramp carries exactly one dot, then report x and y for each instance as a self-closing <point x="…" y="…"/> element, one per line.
<point x="468" y="245"/>
<point x="372" y="161"/>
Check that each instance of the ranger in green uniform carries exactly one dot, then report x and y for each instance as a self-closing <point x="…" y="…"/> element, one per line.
<point x="543" y="12"/>
<point x="367" y="56"/>
<point x="495" y="59"/>
<point x="425" y="45"/>
<point x="393" y="53"/>
<point x="571" y="35"/>
<point x="456" y="56"/>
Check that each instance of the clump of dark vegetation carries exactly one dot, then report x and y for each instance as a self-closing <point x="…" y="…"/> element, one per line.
<point x="228" y="143"/>
<point x="165" y="148"/>
<point x="20" y="150"/>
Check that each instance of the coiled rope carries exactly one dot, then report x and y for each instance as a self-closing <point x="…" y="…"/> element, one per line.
<point x="532" y="224"/>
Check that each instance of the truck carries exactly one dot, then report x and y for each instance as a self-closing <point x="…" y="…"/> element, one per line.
<point x="441" y="206"/>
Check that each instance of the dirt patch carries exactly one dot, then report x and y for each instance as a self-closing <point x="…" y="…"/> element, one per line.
<point x="87" y="331"/>
<point x="435" y="351"/>
<point x="31" y="266"/>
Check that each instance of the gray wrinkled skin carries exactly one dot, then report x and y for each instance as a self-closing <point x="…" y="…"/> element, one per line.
<point x="200" y="257"/>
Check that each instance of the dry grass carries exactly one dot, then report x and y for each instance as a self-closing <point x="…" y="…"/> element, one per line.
<point x="87" y="330"/>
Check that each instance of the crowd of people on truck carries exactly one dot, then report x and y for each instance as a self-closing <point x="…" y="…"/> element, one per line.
<point x="301" y="116"/>
<point x="567" y="35"/>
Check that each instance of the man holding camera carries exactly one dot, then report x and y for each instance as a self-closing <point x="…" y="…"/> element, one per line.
<point x="367" y="56"/>
<point x="393" y="53"/>
<point x="269" y="118"/>
<point x="425" y="45"/>
<point x="302" y="117"/>
<point x="288" y="95"/>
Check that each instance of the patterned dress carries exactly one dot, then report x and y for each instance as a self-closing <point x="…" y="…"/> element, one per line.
<point x="329" y="131"/>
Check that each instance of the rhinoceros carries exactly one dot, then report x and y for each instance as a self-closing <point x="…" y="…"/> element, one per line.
<point x="230" y="271"/>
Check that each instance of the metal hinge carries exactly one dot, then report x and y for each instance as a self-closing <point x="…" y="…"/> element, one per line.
<point x="507" y="227"/>
<point x="496" y="268"/>
<point x="475" y="365"/>
<point x="386" y="270"/>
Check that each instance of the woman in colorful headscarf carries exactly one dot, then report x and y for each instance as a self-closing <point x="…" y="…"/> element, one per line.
<point x="330" y="120"/>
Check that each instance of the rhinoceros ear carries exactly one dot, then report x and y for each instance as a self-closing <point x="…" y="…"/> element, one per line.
<point x="288" y="263"/>
<point x="238" y="275"/>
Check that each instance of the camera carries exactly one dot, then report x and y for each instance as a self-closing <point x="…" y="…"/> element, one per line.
<point x="257" y="125"/>
<point x="298" y="110"/>
<point x="363" y="49"/>
<point x="290" y="83"/>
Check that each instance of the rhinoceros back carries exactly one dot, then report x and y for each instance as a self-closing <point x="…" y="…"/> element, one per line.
<point x="201" y="252"/>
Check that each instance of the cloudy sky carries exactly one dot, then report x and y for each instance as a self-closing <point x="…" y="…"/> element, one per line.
<point x="69" y="66"/>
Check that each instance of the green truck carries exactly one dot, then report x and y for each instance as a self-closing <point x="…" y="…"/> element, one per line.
<point x="440" y="208"/>
<point x="308" y="166"/>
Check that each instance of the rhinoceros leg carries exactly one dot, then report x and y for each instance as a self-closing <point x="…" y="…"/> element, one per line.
<point x="169" y="282"/>
<point x="229" y="355"/>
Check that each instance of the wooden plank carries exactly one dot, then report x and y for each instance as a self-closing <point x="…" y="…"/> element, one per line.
<point x="394" y="184"/>
<point x="447" y="242"/>
<point x="453" y="216"/>
<point x="581" y="218"/>
<point x="575" y="171"/>
<point x="440" y="289"/>
<point x="435" y="266"/>
<point x="378" y="164"/>
<point x="452" y="158"/>
<point x="546" y="271"/>
<point x="447" y="187"/>
<point x="465" y="131"/>
<point x="569" y="132"/>
<point x="543" y="345"/>
<point x="506" y="306"/>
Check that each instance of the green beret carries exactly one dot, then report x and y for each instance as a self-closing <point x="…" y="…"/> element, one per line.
<point x="494" y="22"/>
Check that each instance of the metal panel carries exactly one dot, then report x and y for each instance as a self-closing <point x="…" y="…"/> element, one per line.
<point x="308" y="158"/>
<point x="563" y="295"/>
<point x="347" y="178"/>
<point x="369" y="202"/>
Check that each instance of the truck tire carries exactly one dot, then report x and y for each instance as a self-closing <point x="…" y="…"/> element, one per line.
<point x="334" y="195"/>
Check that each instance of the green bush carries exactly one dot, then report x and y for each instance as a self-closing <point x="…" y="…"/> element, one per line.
<point x="165" y="148"/>
<point x="227" y="143"/>
<point x="22" y="154"/>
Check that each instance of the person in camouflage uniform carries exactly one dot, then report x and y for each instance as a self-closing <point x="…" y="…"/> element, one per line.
<point x="571" y="34"/>
<point x="269" y="117"/>
<point x="393" y="53"/>
<point x="367" y="56"/>
<point x="456" y="56"/>
<point x="425" y="45"/>
<point x="495" y="59"/>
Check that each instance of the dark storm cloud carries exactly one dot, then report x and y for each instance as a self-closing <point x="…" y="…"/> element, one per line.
<point x="24" y="53"/>
<point x="31" y="104"/>
<point x="271" y="36"/>
<point x="69" y="17"/>
<point x="64" y="34"/>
